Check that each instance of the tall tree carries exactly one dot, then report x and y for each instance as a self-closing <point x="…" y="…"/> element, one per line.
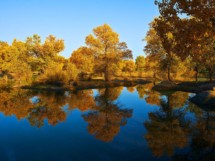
<point x="165" y="31"/>
<point x="198" y="22"/>
<point x="155" y="51"/>
<point x="107" y="49"/>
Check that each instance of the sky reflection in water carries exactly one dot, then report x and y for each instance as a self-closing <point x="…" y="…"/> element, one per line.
<point x="133" y="123"/>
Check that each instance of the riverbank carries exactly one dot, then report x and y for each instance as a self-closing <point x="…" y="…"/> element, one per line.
<point x="192" y="87"/>
<point x="205" y="92"/>
<point x="81" y="85"/>
<point x="205" y="100"/>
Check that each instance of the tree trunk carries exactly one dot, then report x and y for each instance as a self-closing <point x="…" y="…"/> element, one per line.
<point x="19" y="82"/>
<point x="169" y="77"/>
<point x="210" y="75"/>
<point x="197" y="72"/>
<point x="107" y="75"/>
<point x="106" y="72"/>
<point x="6" y="79"/>
<point x="154" y="82"/>
<point x="154" y="75"/>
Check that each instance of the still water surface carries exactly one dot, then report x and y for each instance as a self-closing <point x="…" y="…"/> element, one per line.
<point x="112" y="124"/>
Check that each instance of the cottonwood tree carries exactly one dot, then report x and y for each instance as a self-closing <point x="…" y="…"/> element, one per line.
<point x="155" y="51"/>
<point x="198" y="22"/>
<point x="107" y="48"/>
<point x="43" y="54"/>
<point x="14" y="62"/>
<point x="83" y="58"/>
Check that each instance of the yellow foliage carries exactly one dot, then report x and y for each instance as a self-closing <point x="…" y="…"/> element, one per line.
<point x="58" y="74"/>
<point x="83" y="58"/>
<point x="107" y="49"/>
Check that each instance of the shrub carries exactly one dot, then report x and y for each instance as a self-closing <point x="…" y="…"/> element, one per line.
<point x="57" y="74"/>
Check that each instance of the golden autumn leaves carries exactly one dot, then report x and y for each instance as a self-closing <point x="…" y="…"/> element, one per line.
<point x="102" y="53"/>
<point x="24" y="62"/>
<point x="185" y="32"/>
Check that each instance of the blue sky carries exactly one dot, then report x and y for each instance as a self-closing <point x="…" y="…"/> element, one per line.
<point x="73" y="20"/>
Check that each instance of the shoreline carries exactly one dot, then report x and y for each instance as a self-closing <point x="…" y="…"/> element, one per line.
<point x="192" y="87"/>
<point x="82" y="85"/>
<point x="205" y="91"/>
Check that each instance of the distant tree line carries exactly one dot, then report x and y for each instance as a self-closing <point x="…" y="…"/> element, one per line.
<point x="32" y="60"/>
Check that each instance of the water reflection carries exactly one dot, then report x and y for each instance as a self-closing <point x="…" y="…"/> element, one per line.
<point x="174" y="127"/>
<point x="167" y="127"/>
<point x="131" y="89"/>
<point x="144" y="90"/>
<point x="202" y="136"/>
<point x="15" y="102"/>
<point x="104" y="117"/>
<point x="82" y="100"/>
<point x="178" y="124"/>
<point x="107" y="116"/>
<point x="47" y="106"/>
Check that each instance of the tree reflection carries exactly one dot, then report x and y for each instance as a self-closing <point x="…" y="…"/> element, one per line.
<point x="15" y="102"/>
<point x="178" y="99"/>
<point x="170" y="128"/>
<point x="167" y="128"/>
<point x="153" y="98"/>
<point x="106" y="118"/>
<point x="111" y="94"/>
<point x="49" y="106"/>
<point x="83" y="100"/>
<point x="131" y="89"/>
<point x="143" y="90"/>
<point x="202" y="133"/>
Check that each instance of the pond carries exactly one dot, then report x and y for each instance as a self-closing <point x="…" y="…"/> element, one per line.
<point x="111" y="124"/>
